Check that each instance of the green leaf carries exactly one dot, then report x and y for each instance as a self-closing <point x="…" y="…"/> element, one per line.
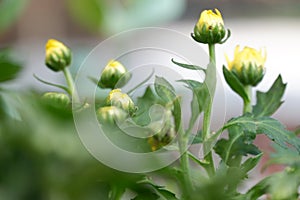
<point x="192" y="84"/>
<point x="200" y="100"/>
<point x="186" y="66"/>
<point x="200" y="96"/>
<point x="268" y="126"/>
<point x="269" y="102"/>
<point x="144" y="103"/>
<point x="258" y="190"/>
<point x="235" y="84"/>
<point x="283" y="156"/>
<point x="196" y="160"/>
<point x="161" y="191"/>
<point x="282" y="185"/>
<point x="238" y="144"/>
<point x="8" y="69"/>
<point x="164" y="89"/>
<point x="277" y="132"/>
<point x="196" y="139"/>
<point x="250" y="163"/>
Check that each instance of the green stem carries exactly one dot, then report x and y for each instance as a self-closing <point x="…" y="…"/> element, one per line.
<point x="212" y="53"/>
<point x="247" y="104"/>
<point x="70" y="82"/>
<point x="211" y="84"/>
<point x="184" y="162"/>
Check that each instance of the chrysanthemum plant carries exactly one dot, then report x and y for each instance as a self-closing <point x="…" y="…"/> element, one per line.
<point x="227" y="161"/>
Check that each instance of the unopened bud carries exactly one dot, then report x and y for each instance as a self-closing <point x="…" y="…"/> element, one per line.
<point x="58" y="56"/>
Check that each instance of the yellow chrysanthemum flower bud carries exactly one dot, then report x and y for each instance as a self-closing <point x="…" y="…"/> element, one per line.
<point x="121" y="100"/>
<point x="56" y="99"/>
<point x="58" y="56"/>
<point x="111" y="114"/>
<point x="114" y="73"/>
<point x="210" y="27"/>
<point x="248" y="65"/>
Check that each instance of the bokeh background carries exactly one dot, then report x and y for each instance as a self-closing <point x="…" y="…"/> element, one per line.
<point x="26" y="25"/>
<point x="50" y="165"/>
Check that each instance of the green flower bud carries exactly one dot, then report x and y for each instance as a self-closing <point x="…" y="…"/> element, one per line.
<point x="111" y="114"/>
<point x="165" y="135"/>
<point x="114" y="73"/>
<point x="56" y="99"/>
<point x="248" y="65"/>
<point x="121" y="100"/>
<point x="210" y="27"/>
<point x="58" y="56"/>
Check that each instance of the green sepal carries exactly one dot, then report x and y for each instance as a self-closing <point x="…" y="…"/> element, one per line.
<point x="209" y="35"/>
<point x="249" y="74"/>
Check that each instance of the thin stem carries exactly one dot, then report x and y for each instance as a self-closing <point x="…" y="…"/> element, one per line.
<point x="207" y="111"/>
<point x="70" y="82"/>
<point x="247" y="104"/>
<point x="184" y="161"/>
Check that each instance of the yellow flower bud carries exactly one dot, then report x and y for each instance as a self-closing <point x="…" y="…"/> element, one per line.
<point x="111" y="114"/>
<point x="248" y="65"/>
<point x="210" y="27"/>
<point x="58" y="56"/>
<point x="56" y="99"/>
<point x="114" y="73"/>
<point x="121" y="100"/>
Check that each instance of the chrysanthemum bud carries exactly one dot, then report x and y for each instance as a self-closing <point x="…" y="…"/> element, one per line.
<point x="121" y="100"/>
<point x="165" y="135"/>
<point x="56" y="99"/>
<point x="111" y="114"/>
<point x="210" y="27"/>
<point x="114" y="73"/>
<point x="248" y="65"/>
<point x="58" y="56"/>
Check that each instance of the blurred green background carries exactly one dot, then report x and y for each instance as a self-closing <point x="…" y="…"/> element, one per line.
<point x="41" y="156"/>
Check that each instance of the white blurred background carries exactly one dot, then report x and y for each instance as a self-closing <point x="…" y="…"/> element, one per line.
<point x="26" y="25"/>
